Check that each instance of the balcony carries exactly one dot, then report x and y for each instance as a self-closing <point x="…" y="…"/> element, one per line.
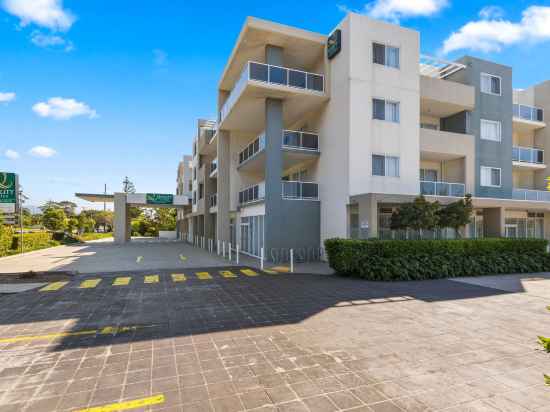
<point x="213" y="203"/>
<point x="252" y="194"/>
<point x="214" y="168"/>
<point x="443" y="98"/>
<point x="527" y="118"/>
<point x="428" y="188"/>
<point x="293" y="140"/>
<point x="252" y="157"/>
<point x="528" y="157"/>
<point x="299" y="89"/>
<point x="294" y="190"/>
<point x="532" y="195"/>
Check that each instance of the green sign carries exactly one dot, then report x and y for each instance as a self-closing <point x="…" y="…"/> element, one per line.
<point x="8" y="190"/>
<point x="334" y="44"/>
<point x="159" y="199"/>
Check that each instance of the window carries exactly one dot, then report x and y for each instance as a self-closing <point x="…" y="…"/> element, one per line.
<point x="490" y="176"/>
<point x="491" y="130"/>
<point x="385" y="166"/>
<point x="385" y="55"/>
<point x="385" y="110"/>
<point x="201" y="190"/>
<point x="490" y="84"/>
<point x="428" y="175"/>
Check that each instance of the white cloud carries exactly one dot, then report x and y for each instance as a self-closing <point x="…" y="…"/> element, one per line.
<point x="62" y="109"/>
<point x="159" y="57"/>
<point x="42" y="151"/>
<point x="51" y="41"/>
<point x="45" y="13"/>
<point x="394" y="10"/>
<point x="491" y="33"/>
<point x="11" y="154"/>
<point x="491" y="12"/>
<point x="6" y="97"/>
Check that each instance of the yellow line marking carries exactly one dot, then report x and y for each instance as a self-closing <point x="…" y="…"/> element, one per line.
<point x="227" y="274"/>
<point x="89" y="283"/>
<point x="271" y="272"/>
<point x="203" y="275"/>
<point x="183" y="258"/>
<point x="124" y="406"/>
<point x="178" y="277"/>
<point x="53" y="286"/>
<point x="139" y="259"/>
<point x="281" y="269"/>
<point x="249" y="272"/>
<point x="123" y="281"/>
<point x="151" y="279"/>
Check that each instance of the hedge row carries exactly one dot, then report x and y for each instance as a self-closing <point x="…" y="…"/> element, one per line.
<point x="389" y="260"/>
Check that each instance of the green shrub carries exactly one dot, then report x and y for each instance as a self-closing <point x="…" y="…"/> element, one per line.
<point x="433" y="259"/>
<point x="31" y="241"/>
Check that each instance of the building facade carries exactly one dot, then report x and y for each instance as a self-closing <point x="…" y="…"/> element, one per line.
<point x="324" y="136"/>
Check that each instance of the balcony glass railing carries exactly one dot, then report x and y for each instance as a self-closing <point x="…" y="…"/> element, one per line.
<point x="527" y="155"/>
<point x="268" y="73"/>
<point x="213" y="166"/>
<point x="252" y="149"/>
<point x="531" y="113"/>
<point x="442" y="189"/>
<point x="300" y="140"/>
<point x="213" y="201"/>
<point x="253" y="193"/>
<point x="529" y="194"/>
<point x="300" y="190"/>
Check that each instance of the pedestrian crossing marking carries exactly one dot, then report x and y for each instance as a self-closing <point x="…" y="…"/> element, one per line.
<point x="227" y="274"/>
<point x="151" y="279"/>
<point x="203" y="275"/>
<point x="89" y="283"/>
<point x="249" y="272"/>
<point x="281" y="269"/>
<point x="122" y="281"/>
<point x="53" y="286"/>
<point x="178" y="277"/>
<point x="127" y="405"/>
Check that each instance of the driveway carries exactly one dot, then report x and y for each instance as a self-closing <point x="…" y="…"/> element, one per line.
<point x="235" y="339"/>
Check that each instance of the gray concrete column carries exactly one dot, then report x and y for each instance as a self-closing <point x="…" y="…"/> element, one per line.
<point x="224" y="193"/>
<point x="121" y="219"/>
<point x="494" y="221"/>
<point x="368" y="217"/>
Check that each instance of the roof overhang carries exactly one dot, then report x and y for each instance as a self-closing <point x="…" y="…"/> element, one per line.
<point x="96" y="197"/>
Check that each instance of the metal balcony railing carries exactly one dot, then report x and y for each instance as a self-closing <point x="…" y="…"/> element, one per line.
<point x="252" y="149"/>
<point x="271" y="74"/>
<point x="527" y="155"/>
<point x="251" y="194"/>
<point x="529" y="194"/>
<point x="300" y="140"/>
<point x="442" y="189"/>
<point x="300" y="190"/>
<point x="531" y="113"/>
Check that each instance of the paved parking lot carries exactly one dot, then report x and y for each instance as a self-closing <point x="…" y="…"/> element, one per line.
<point x="234" y="339"/>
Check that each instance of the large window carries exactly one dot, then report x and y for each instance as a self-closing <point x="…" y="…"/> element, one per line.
<point x="490" y="84"/>
<point x="252" y="235"/>
<point x="428" y="175"/>
<point x="385" y="110"/>
<point x="385" y="166"/>
<point x="491" y="130"/>
<point x="385" y="55"/>
<point x="490" y="176"/>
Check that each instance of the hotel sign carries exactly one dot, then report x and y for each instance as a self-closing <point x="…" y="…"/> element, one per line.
<point x="8" y="188"/>
<point x="334" y="44"/>
<point x="159" y="199"/>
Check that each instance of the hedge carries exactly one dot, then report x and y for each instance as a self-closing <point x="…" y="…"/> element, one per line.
<point x="389" y="260"/>
<point x="32" y="241"/>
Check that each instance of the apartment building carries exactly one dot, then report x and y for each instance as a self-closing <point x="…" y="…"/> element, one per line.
<point x="324" y="136"/>
<point x="184" y="187"/>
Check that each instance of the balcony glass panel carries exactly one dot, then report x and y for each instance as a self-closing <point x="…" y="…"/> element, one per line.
<point x="442" y="189"/>
<point x="291" y="138"/>
<point x="310" y="141"/>
<point x="297" y="79"/>
<point x="300" y="140"/>
<point x="278" y="75"/>
<point x="252" y="149"/>
<point x="528" y="112"/>
<point x="315" y="82"/>
<point x="259" y="72"/>
<point x="252" y="194"/>
<point x="300" y="190"/>
<point x="527" y="155"/>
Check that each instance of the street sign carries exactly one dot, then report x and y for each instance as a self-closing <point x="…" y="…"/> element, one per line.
<point x="159" y="199"/>
<point x="8" y="188"/>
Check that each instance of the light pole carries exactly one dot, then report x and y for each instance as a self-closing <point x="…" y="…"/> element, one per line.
<point x="22" y="199"/>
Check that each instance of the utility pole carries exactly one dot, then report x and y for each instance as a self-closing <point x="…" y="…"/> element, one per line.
<point x="105" y="203"/>
<point x="22" y="199"/>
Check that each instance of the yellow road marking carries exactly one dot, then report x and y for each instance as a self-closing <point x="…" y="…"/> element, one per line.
<point x="249" y="272"/>
<point x="139" y="259"/>
<point x="271" y="272"/>
<point x="53" y="286"/>
<point x="124" y="281"/>
<point x="89" y="283"/>
<point x="178" y="277"/>
<point x="183" y="258"/>
<point x="227" y="274"/>
<point x="151" y="279"/>
<point x="124" y="406"/>
<point x="203" y="275"/>
<point x="281" y="269"/>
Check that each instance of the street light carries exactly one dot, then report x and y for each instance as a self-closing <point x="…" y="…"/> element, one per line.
<point x="22" y="199"/>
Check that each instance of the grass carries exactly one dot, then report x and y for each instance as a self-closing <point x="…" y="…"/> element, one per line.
<point x="94" y="236"/>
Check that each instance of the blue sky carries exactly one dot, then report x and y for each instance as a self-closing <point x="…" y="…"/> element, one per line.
<point x="133" y="76"/>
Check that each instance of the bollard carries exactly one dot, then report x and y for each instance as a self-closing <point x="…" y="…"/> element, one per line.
<point x="218" y="248"/>
<point x="223" y="249"/>
<point x="229" y="250"/>
<point x="291" y="260"/>
<point x="237" y="254"/>
<point x="262" y="258"/>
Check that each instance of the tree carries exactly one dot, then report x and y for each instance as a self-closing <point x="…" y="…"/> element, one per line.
<point x="72" y="224"/>
<point x="128" y="186"/>
<point x="419" y="215"/>
<point x="104" y="219"/>
<point x="55" y="219"/>
<point x="85" y="223"/>
<point x="27" y="217"/>
<point x="456" y="214"/>
<point x="166" y="219"/>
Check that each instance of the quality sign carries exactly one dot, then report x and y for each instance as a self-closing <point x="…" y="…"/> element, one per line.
<point x="8" y="189"/>
<point x="159" y="199"/>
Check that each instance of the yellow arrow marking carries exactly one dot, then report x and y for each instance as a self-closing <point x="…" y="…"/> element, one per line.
<point x="53" y="286"/>
<point x="151" y="279"/>
<point x="178" y="277"/>
<point x="124" y="406"/>
<point x="203" y="275"/>
<point x="89" y="284"/>
<point x="139" y="259"/>
<point x="271" y="272"/>
<point x="249" y="272"/>
<point x="124" y="281"/>
<point x="227" y="274"/>
<point x="183" y="258"/>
